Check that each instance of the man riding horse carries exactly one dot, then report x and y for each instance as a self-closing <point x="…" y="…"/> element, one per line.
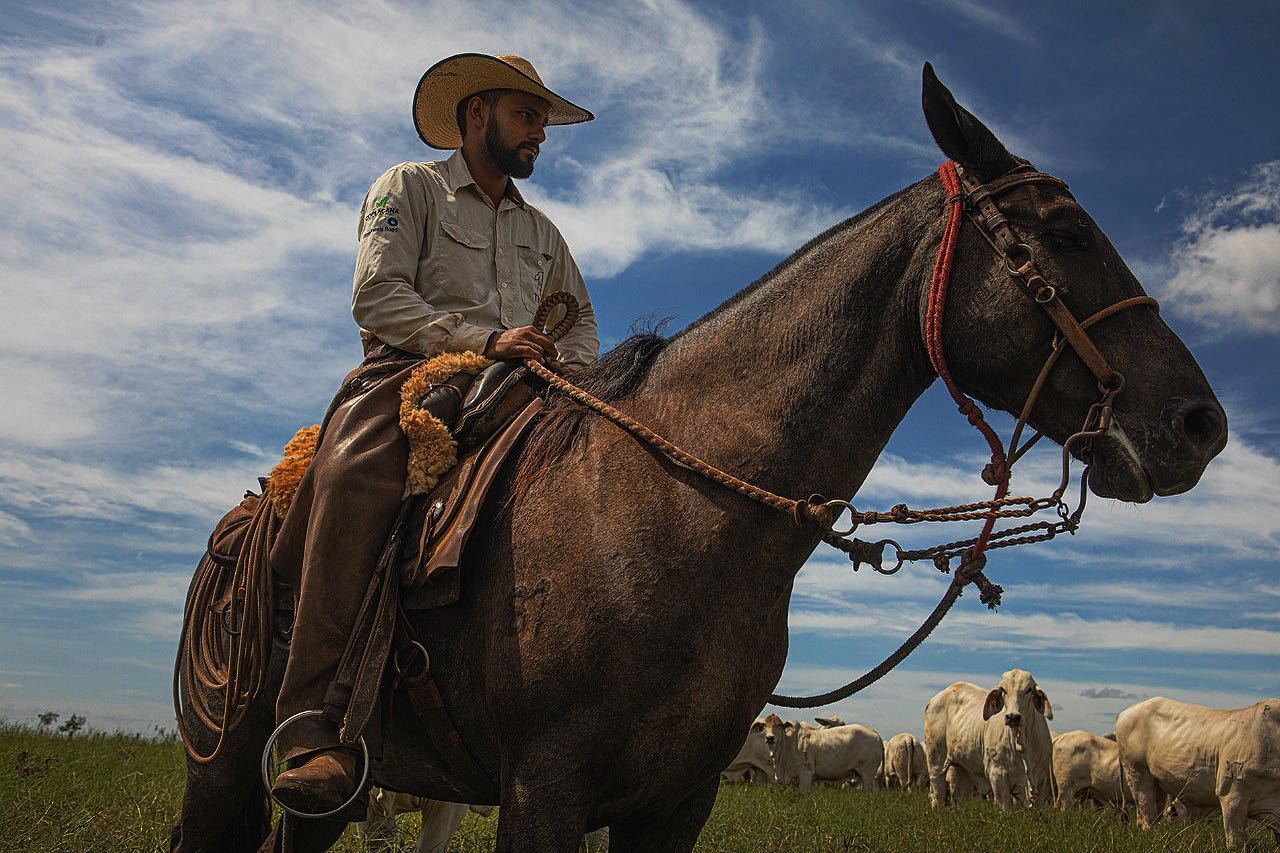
<point x="451" y="258"/>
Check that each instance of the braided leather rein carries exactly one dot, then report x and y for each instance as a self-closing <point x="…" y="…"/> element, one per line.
<point x="964" y="197"/>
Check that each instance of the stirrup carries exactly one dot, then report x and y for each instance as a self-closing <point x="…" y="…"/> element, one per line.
<point x="269" y="782"/>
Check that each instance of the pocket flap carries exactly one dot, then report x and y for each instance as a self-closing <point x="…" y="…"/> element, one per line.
<point x="465" y="236"/>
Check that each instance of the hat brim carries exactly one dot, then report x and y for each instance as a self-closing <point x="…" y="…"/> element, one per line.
<point x="435" y="101"/>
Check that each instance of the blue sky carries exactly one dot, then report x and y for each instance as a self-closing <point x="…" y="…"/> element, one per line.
<point x="178" y="200"/>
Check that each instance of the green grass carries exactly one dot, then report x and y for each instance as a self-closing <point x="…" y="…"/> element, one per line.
<point x="114" y="793"/>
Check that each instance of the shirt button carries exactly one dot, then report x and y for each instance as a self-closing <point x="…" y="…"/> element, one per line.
<point x="499" y="251"/>
<point x="504" y="284"/>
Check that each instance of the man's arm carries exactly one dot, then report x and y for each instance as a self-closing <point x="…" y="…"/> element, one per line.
<point x="393" y="220"/>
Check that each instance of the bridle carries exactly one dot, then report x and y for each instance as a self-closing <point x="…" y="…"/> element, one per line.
<point x="966" y="198"/>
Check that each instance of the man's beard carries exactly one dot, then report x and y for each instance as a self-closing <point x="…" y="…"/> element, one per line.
<point x="508" y="159"/>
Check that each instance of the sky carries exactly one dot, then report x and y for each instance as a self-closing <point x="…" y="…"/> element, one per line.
<point x="179" y="189"/>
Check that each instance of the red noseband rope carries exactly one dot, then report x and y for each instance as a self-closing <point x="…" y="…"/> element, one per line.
<point x="933" y="343"/>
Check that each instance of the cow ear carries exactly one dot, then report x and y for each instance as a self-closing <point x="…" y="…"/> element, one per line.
<point x="1042" y="704"/>
<point x="995" y="699"/>
<point x="959" y="134"/>
<point x="757" y="726"/>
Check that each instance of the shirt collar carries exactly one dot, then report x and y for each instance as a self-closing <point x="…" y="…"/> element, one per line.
<point x="457" y="175"/>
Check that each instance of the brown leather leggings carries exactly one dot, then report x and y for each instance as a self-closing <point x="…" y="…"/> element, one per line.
<point x="329" y="546"/>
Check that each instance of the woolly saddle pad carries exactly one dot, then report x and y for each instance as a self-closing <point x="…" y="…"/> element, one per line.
<point x="432" y="449"/>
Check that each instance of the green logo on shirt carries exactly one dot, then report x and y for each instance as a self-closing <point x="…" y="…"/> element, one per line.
<point x="382" y="202"/>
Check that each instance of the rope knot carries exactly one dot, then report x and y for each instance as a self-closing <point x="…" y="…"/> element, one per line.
<point x="989" y="593"/>
<point x="993" y="474"/>
<point x="899" y="513"/>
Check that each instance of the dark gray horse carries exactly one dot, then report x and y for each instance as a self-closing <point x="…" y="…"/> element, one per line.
<point x="624" y="620"/>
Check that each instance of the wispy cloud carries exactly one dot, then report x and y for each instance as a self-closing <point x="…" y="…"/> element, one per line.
<point x="1107" y="693"/>
<point x="1043" y="631"/>
<point x="1226" y="266"/>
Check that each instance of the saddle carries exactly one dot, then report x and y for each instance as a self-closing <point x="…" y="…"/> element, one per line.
<point x="437" y="525"/>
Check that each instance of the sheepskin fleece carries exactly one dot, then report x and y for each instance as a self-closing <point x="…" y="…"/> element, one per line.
<point x="282" y="482"/>
<point x="432" y="450"/>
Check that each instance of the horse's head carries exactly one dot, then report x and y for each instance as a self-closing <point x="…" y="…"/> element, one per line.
<point x="1167" y="422"/>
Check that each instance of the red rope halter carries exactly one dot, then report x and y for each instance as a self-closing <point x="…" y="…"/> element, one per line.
<point x="933" y="342"/>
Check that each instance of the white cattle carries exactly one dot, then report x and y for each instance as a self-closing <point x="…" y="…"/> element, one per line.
<point x="1087" y="767"/>
<point x="1206" y="758"/>
<point x="998" y="740"/>
<point x="440" y="820"/>
<point x="904" y="764"/>
<point x="753" y="763"/>
<point x="804" y="755"/>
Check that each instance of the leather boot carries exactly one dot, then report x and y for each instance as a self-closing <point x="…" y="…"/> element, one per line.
<point x="324" y="782"/>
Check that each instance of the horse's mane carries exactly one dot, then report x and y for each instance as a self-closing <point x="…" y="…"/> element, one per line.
<point x="615" y="376"/>
<point x="619" y="373"/>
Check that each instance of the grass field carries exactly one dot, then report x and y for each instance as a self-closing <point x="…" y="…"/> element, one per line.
<point x="118" y="793"/>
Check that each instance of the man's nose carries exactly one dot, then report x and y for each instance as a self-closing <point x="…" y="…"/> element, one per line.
<point x="540" y="134"/>
<point x="1013" y="720"/>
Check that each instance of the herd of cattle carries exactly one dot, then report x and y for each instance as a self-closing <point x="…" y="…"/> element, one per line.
<point x="997" y="743"/>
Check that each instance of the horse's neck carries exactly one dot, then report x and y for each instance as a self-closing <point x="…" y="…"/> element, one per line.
<point x="798" y="383"/>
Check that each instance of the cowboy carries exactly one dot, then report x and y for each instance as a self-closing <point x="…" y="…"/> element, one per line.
<point x="451" y="258"/>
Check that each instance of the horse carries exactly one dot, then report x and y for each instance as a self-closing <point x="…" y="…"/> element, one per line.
<point x="623" y="618"/>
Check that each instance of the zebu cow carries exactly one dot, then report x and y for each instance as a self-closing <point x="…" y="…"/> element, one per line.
<point x="904" y="764"/>
<point x="1206" y="758"/>
<point x="975" y="737"/>
<point x="804" y="755"/>
<point x="753" y="762"/>
<point x="1087" y="767"/>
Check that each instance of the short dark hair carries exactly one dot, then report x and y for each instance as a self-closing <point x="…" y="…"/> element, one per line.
<point x="489" y="96"/>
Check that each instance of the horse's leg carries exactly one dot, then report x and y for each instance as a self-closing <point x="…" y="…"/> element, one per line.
<point x="675" y="831"/>
<point x="293" y="835"/>
<point x="224" y="803"/>
<point x="541" y="816"/>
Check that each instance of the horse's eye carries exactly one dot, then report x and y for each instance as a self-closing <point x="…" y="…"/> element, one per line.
<point x="1076" y="238"/>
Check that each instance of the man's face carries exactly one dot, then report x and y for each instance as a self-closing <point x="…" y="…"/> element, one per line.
<point x="515" y="131"/>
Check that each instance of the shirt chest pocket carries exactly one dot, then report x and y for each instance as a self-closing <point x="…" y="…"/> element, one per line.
<point x="463" y="261"/>
<point x="535" y="271"/>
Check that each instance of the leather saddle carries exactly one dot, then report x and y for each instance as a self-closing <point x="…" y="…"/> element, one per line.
<point x="487" y="425"/>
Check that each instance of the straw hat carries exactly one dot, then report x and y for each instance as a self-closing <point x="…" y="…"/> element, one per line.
<point x="435" y="103"/>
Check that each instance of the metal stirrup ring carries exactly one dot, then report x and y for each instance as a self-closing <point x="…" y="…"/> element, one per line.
<point x="268" y="781"/>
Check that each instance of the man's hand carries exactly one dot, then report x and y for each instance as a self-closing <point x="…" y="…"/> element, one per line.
<point x="521" y="342"/>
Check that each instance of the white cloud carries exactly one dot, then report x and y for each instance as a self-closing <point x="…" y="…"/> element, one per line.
<point x="1226" y="266"/>
<point x="1007" y="631"/>
<point x="13" y="529"/>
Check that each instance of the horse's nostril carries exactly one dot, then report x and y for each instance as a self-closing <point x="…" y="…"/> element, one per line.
<point x="1202" y="423"/>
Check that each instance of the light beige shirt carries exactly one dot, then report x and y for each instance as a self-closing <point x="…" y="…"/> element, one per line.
<point x="439" y="269"/>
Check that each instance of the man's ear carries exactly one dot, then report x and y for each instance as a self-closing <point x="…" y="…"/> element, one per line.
<point x="1041" y="702"/>
<point x="477" y="111"/>
<point x="995" y="701"/>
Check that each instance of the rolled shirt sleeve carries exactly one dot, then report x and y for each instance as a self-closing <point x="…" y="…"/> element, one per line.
<point x="394" y="220"/>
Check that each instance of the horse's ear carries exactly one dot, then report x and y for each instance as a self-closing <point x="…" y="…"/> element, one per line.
<point x="961" y="136"/>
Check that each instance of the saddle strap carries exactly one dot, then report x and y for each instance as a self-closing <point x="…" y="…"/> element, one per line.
<point x="424" y="695"/>
<point x="353" y="693"/>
